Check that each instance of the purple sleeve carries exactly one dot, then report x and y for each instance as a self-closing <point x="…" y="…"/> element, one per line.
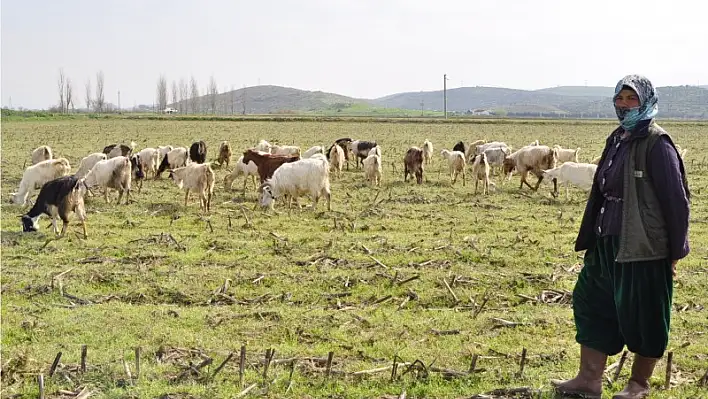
<point x="665" y="170"/>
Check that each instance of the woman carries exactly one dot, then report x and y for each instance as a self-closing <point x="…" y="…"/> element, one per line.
<point x="634" y="231"/>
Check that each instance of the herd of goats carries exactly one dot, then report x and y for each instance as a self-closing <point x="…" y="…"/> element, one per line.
<point x="285" y="173"/>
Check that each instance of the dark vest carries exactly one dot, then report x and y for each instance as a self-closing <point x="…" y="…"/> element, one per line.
<point x="643" y="234"/>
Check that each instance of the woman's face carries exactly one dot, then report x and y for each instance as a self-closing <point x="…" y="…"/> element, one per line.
<point x="627" y="98"/>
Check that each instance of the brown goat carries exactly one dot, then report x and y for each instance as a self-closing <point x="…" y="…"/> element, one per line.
<point x="266" y="163"/>
<point x="224" y="154"/>
<point x="413" y="164"/>
<point x="534" y="159"/>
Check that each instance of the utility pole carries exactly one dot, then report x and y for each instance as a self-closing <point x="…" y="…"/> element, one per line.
<point x="445" y="95"/>
<point x="118" y="101"/>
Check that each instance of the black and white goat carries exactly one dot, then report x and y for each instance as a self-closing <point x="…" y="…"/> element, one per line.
<point x="361" y="149"/>
<point x="58" y="198"/>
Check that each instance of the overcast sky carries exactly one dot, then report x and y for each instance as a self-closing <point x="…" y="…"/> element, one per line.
<point x="359" y="48"/>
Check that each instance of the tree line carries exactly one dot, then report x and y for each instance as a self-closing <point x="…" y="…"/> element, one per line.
<point x="94" y="101"/>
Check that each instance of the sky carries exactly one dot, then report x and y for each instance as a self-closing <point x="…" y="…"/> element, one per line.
<point x="358" y="48"/>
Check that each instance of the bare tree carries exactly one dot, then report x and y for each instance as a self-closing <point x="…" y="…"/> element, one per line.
<point x="61" y="85"/>
<point x="88" y="95"/>
<point x="69" y="96"/>
<point x="99" y="101"/>
<point x="233" y="99"/>
<point x="161" y="93"/>
<point x="213" y="91"/>
<point x="183" y="95"/>
<point x="243" y="100"/>
<point x="194" y="95"/>
<point x="175" y="94"/>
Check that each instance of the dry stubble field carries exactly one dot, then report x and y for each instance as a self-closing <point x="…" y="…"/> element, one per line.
<point x="366" y="281"/>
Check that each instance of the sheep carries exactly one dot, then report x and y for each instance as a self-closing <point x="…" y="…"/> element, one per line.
<point x="197" y="177"/>
<point x="112" y="173"/>
<point x="88" y="162"/>
<point x="337" y="158"/>
<point x="294" y="179"/>
<point x="149" y="160"/>
<point x="198" y="152"/>
<point x="224" y="153"/>
<point x="578" y="174"/>
<point x="263" y="146"/>
<point x="59" y="197"/>
<point x="42" y="153"/>
<point x="313" y="150"/>
<point x="249" y="169"/>
<point x="373" y="169"/>
<point x="119" y="150"/>
<point x="532" y="159"/>
<point x="480" y="171"/>
<point x="456" y="163"/>
<point x="174" y="159"/>
<point x="413" y="164"/>
<point x="37" y="175"/>
<point x="566" y="155"/>
<point x="360" y="149"/>
<point x="267" y="163"/>
<point x="288" y="150"/>
<point x="428" y="151"/>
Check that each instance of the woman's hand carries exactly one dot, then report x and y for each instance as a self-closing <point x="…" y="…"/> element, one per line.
<point x="673" y="267"/>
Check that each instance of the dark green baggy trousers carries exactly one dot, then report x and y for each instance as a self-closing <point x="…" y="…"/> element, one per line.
<point x="618" y="304"/>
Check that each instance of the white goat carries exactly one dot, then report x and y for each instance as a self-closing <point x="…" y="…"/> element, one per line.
<point x="242" y="169"/>
<point x="375" y="151"/>
<point x="566" y="155"/>
<point x="318" y="149"/>
<point x="163" y="150"/>
<point x="578" y="174"/>
<point x="495" y="156"/>
<point x="294" y="179"/>
<point x="480" y="171"/>
<point x="337" y="159"/>
<point x="42" y="153"/>
<point x="428" y="151"/>
<point x="534" y="159"/>
<point x="36" y="175"/>
<point x="263" y="146"/>
<point x="150" y="159"/>
<point x="289" y="150"/>
<point x="88" y="162"/>
<point x="456" y="163"/>
<point x="113" y="173"/>
<point x="372" y="168"/>
<point x="198" y="177"/>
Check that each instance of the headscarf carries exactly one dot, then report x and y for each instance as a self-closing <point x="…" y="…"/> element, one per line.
<point x="648" y="98"/>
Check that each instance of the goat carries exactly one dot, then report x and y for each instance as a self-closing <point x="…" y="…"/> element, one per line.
<point x="198" y="152"/>
<point x="224" y="153"/>
<point x="113" y="173"/>
<point x="149" y="160"/>
<point x="480" y="171"/>
<point x="59" y="197"/>
<point x="337" y="157"/>
<point x="249" y="169"/>
<point x="266" y="163"/>
<point x="361" y="149"/>
<point x="197" y="177"/>
<point x="460" y="146"/>
<point x="532" y="159"/>
<point x="566" y="155"/>
<point x="456" y="163"/>
<point x="578" y="174"/>
<point x="294" y="179"/>
<point x="313" y="150"/>
<point x="42" y="153"/>
<point x="287" y="150"/>
<point x="373" y="169"/>
<point x="163" y="150"/>
<point x="88" y="162"/>
<point x="413" y="164"/>
<point x="138" y="173"/>
<point x="119" y="150"/>
<point x="174" y="159"/>
<point x="263" y="146"/>
<point x="428" y="151"/>
<point x="37" y="175"/>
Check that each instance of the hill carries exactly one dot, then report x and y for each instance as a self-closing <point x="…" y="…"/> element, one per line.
<point x="562" y="101"/>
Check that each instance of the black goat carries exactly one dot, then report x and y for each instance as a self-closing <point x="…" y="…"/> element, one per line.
<point x="59" y="197"/>
<point x="137" y="168"/>
<point x="460" y="146"/>
<point x="198" y="152"/>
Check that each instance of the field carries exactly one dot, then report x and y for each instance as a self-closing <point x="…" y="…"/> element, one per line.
<point x="425" y="275"/>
